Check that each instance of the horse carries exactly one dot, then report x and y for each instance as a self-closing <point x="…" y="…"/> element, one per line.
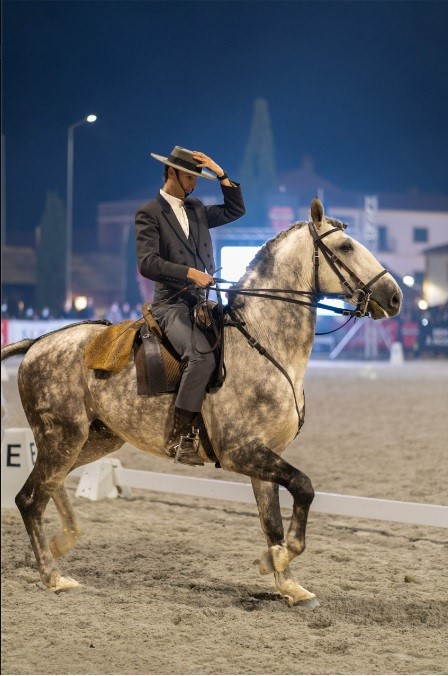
<point x="78" y="417"/>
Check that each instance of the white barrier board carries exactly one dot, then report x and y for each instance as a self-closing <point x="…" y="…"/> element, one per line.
<point x="106" y="478"/>
<point x="329" y="503"/>
<point x="18" y="456"/>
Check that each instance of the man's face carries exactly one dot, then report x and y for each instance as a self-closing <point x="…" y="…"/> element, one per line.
<point x="187" y="181"/>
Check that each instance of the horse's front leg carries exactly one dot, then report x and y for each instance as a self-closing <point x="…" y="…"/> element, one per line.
<point x="266" y="496"/>
<point x="260" y="463"/>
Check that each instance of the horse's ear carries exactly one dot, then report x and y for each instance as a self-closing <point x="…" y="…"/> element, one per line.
<point x="317" y="211"/>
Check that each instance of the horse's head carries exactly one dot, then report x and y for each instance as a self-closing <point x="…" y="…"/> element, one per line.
<point x="342" y="264"/>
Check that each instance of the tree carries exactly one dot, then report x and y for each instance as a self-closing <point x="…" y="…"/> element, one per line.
<point x="51" y="288"/>
<point x="132" y="291"/>
<point x="257" y="172"/>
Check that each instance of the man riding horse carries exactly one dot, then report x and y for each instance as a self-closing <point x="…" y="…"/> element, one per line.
<point x="174" y="249"/>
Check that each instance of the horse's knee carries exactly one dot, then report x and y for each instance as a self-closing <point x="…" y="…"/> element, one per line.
<point x="302" y="490"/>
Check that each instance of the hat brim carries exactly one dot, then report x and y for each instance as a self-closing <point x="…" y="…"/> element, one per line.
<point x="202" y="174"/>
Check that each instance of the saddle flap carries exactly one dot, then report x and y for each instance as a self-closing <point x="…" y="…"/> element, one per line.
<point x="158" y="370"/>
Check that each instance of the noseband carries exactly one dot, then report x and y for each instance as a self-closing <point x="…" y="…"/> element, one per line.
<point x="363" y="291"/>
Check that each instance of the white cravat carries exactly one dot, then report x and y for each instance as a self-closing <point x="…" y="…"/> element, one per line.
<point x="178" y="207"/>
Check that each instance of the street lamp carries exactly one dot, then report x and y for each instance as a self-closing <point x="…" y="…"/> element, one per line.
<point x="69" y="216"/>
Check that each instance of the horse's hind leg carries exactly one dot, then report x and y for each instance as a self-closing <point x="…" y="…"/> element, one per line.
<point x="266" y="496"/>
<point x="61" y="543"/>
<point x="101" y="441"/>
<point x="58" y="446"/>
<point x="32" y="501"/>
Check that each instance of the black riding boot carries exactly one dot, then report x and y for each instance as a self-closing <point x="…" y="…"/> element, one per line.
<point x="182" y="442"/>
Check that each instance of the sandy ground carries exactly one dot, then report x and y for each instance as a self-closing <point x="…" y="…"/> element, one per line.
<point x="169" y="585"/>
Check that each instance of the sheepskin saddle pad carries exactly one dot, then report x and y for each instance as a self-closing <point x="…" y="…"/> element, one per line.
<point x="159" y="369"/>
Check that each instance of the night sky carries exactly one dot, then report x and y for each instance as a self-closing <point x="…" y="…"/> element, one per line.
<point x="362" y="87"/>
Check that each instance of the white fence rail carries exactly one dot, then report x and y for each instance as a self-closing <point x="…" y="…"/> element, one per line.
<point x="111" y="475"/>
<point x="106" y="478"/>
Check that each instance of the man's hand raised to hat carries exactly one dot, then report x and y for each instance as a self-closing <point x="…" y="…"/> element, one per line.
<point x="202" y="279"/>
<point x="208" y="163"/>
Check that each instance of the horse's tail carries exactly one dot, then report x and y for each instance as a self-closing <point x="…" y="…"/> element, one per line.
<point x="21" y="347"/>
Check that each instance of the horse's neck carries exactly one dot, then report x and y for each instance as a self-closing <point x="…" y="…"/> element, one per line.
<point x="285" y="329"/>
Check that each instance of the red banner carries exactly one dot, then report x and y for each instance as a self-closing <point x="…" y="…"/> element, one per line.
<point x="4" y="332"/>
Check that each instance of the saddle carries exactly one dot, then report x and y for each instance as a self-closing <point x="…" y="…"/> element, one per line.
<point x="159" y="368"/>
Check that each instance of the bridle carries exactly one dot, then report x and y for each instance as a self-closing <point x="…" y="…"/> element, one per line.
<point x="357" y="288"/>
<point x="364" y="291"/>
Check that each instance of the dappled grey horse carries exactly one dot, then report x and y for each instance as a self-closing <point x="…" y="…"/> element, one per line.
<point x="77" y="417"/>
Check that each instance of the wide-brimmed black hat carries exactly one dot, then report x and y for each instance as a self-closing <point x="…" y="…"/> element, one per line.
<point x="181" y="158"/>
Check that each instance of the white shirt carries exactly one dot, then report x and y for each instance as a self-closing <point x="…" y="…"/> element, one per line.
<point x="178" y="207"/>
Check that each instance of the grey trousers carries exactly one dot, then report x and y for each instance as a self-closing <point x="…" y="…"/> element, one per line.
<point x="175" y="322"/>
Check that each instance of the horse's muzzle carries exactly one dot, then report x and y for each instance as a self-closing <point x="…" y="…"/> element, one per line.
<point x="386" y="301"/>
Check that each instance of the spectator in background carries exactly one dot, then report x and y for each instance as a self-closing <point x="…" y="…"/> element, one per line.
<point x="45" y="313"/>
<point x="136" y="312"/>
<point x="126" y="310"/>
<point x="114" y="314"/>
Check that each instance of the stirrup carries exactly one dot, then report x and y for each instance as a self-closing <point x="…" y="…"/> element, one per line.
<point x="189" y="454"/>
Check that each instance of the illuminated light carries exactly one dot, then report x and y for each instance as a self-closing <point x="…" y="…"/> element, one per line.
<point x="91" y="118"/>
<point x="80" y="302"/>
<point x="409" y="280"/>
<point x="234" y="260"/>
<point x="423" y="305"/>
<point x="425" y="322"/>
<point x="332" y="302"/>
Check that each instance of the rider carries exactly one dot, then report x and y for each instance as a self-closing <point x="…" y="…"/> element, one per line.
<point x="174" y="249"/>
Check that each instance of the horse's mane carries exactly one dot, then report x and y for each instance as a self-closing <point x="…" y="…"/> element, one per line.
<point x="265" y="252"/>
<point x="262" y="259"/>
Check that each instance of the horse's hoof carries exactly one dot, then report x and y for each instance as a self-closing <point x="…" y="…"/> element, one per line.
<point x="64" y="584"/>
<point x="309" y="604"/>
<point x="265" y="564"/>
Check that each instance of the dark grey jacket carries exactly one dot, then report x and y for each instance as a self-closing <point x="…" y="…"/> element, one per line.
<point x="164" y="253"/>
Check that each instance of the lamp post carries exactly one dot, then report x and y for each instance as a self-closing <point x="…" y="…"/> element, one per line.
<point x="69" y="215"/>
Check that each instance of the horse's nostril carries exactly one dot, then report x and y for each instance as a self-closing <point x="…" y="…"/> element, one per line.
<point x="395" y="300"/>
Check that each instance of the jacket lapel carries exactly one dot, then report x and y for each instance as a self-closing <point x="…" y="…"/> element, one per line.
<point x="173" y="222"/>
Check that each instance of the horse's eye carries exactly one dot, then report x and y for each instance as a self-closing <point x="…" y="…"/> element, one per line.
<point x="346" y="247"/>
